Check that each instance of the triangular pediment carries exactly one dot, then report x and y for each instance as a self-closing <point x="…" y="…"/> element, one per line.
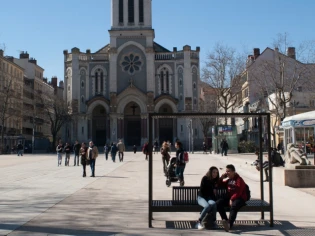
<point x="132" y="90"/>
<point x="103" y="49"/>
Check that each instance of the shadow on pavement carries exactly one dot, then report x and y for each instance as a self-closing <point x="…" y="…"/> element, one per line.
<point x="245" y="226"/>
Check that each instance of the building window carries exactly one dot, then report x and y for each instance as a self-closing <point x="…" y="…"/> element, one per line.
<point x="121" y="11"/>
<point x="299" y="88"/>
<point x="82" y="99"/>
<point x="102" y="81"/>
<point x="167" y="82"/>
<point x="195" y="101"/>
<point x="82" y="84"/>
<point x="181" y="128"/>
<point x="96" y="82"/>
<point x="181" y="97"/>
<point x="194" y="85"/>
<point x="131" y="63"/>
<point x="131" y="13"/>
<point x="82" y="130"/>
<point x="180" y="82"/>
<point x="141" y="11"/>
<point x="162" y="81"/>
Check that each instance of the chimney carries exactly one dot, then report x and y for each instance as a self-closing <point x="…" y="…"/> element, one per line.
<point x="256" y="53"/>
<point x="61" y="84"/>
<point x="24" y="55"/>
<point x="54" y="81"/>
<point x="1" y="53"/>
<point x="291" y="52"/>
<point x="33" y="60"/>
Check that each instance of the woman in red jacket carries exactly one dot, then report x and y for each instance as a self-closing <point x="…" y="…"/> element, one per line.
<point x="236" y="196"/>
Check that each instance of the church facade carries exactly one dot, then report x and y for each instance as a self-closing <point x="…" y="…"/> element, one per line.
<point x="113" y="90"/>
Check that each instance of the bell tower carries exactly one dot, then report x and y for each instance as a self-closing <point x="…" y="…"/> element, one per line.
<point x="131" y="14"/>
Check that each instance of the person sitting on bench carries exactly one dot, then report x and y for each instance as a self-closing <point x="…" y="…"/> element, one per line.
<point x="206" y="197"/>
<point x="236" y="196"/>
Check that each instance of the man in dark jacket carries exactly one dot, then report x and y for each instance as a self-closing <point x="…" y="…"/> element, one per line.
<point x="76" y="149"/>
<point x="20" y="149"/>
<point x="224" y="147"/>
<point x="236" y="197"/>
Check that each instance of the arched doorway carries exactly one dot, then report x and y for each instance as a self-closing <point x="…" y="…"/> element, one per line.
<point x="166" y="125"/>
<point x="99" y="125"/>
<point x="132" y="118"/>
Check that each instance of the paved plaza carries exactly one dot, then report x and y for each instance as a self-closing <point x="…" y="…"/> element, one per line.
<point x="39" y="198"/>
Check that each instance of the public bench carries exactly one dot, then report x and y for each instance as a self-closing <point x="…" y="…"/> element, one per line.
<point x="184" y="199"/>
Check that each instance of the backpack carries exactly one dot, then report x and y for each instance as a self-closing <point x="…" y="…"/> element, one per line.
<point x="247" y="192"/>
<point x="186" y="157"/>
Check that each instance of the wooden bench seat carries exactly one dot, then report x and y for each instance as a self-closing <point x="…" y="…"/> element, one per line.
<point x="185" y="200"/>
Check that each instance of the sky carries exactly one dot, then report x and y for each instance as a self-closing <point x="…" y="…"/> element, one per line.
<point x="44" y="28"/>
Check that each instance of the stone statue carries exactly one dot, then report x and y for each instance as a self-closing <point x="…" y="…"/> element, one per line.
<point x="295" y="155"/>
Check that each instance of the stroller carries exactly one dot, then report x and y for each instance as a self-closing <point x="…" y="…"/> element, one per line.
<point x="171" y="173"/>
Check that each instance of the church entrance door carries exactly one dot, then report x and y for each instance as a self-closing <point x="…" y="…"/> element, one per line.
<point x="99" y="126"/>
<point x="166" y="125"/>
<point x="132" y="124"/>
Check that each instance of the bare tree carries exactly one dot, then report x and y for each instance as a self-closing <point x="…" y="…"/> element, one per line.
<point x="207" y="104"/>
<point x="221" y="70"/>
<point x="57" y="111"/>
<point x="279" y="76"/>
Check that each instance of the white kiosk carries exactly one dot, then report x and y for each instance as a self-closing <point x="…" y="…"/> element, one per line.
<point x="299" y="129"/>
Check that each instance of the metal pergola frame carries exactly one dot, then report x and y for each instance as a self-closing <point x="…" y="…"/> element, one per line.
<point x="153" y="116"/>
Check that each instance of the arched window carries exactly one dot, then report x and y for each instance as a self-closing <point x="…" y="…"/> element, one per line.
<point x="194" y="85"/>
<point x="141" y="11"/>
<point x="195" y="101"/>
<point x="82" y="84"/>
<point x="180" y="82"/>
<point x="102" y="81"/>
<point x="96" y="82"/>
<point x="121" y="11"/>
<point x="131" y="11"/>
<point x="167" y="82"/>
<point x="82" y="99"/>
<point x="162" y="81"/>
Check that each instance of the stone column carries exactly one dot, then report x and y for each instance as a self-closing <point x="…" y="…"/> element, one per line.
<point x="113" y="121"/>
<point x="120" y="133"/>
<point x="113" y="70"/>
<point x="108" y="129"/>
<point x="150" y="69"/>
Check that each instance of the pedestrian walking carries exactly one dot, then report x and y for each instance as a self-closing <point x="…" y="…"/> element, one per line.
<point x="113" y="151"/>
<point x="106" y="151"/>
<point x="76" y="149"/>
<point x="83" y="155"/>
<point x="156" y="146"/>
<point x="180" y="162"/>
<point x="121" y="149"/>
<point x="91" y="156"/>
<point x="59" y="150"/>
<point x="224" y="147"/>
<point x="67" y="151"/>
<point x="165" y="156"/>
<point x="20" y="149"/>
<point x="134" y="149"/>
<point x="145" y="150"/>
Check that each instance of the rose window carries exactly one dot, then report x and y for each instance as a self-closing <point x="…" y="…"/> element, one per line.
<point x="131" y="63"/>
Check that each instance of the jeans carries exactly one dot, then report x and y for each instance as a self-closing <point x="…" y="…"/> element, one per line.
<point x="236" y="205"/>
<point x="224" y="151"/>
<point x="59" y="155"/>
<point x="121" y="156"/>
<point x="20" y="152"/>
<point x="92" y="164"/>
<point x="165" y="160"/>
<point x="209" y="206"/>
<point x="106" y="156"/>
<point x="113" y="156"/>
<point x="180" y="172"/>
<point x="67" y="159"/>
<point x="76" y="157"/>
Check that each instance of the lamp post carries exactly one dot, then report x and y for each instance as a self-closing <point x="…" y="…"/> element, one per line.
<point x="192" y="137"/>
<point x="188" y="126"/>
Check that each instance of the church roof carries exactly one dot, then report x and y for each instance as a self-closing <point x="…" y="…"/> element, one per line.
<point x="158" y="48"/>
<point x="103" y="49"/>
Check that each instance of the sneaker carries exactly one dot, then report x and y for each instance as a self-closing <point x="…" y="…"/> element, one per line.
<point x="199" y="226"/>
<point x="226" y="225"/>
